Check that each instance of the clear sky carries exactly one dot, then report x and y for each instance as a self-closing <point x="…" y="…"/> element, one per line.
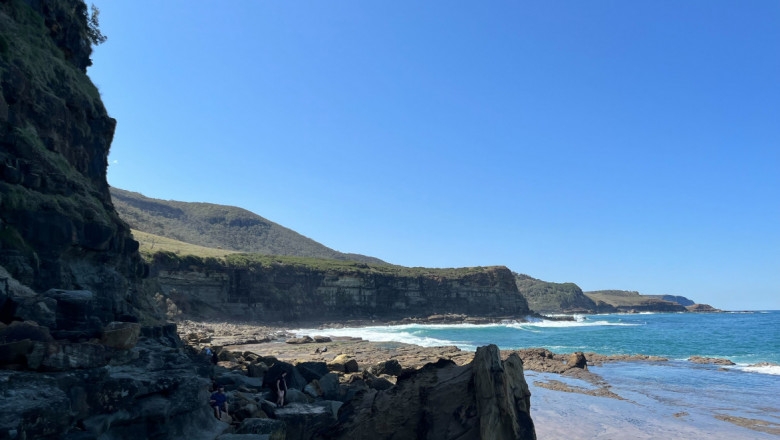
<point x="629" y="145"/>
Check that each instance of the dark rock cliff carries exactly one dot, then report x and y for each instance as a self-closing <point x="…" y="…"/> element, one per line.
<point x="58" y="228"/>
<point x="284" y="291"/>
<point x="75" y="359"/>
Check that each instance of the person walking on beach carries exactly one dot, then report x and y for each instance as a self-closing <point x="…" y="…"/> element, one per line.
<point x="218" y="401"/>
<point x="281" y="389"/>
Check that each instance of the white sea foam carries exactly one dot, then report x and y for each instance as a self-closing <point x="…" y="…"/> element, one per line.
<point x="406" y="332"/>
<point x="760" y="368"/>
<point x="561" y="324"/>
<point x="401" y="333"/>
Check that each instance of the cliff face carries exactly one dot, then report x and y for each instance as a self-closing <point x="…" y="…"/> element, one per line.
<point x="631" y="301"/>
<point x="58" y="228"/>
<point x="546" y="297"/>
<point x="278" y="292"/>
<point x="74" y="361"/>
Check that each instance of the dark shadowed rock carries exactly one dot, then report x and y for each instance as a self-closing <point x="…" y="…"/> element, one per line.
<point x="486" y="399"/>
<point x="344" y="364"/>
<point x="121" y="335"/>
<point x="305" y="421"/>
<point x="18" y="331"/>
<point x="391" y="367"/>
<point x="312" y="370"/>
<point x="294" y="378"/>
<point x="275" y="429"/>
<point x="256" y="369"/>
<point x="577" y="360"/>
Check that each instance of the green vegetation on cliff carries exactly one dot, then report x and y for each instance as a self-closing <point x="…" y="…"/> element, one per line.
<point x="546" y="297"/>
<point x="183" y="255"/>
<point x="150" y="244"/>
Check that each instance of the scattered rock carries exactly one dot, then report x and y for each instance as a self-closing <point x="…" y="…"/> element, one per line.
<point x="709" y="360"/>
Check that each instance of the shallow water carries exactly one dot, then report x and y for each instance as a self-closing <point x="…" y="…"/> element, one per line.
<point x="666" y="400"/>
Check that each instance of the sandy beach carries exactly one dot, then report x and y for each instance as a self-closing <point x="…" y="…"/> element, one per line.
<point x="575" y="404"/>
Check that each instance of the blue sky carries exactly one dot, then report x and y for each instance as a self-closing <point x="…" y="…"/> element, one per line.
<point x="616" y="144"/>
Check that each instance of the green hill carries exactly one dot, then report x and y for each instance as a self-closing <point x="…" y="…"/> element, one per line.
<point x="219" y="227"/>
<point x="546" y="297"/>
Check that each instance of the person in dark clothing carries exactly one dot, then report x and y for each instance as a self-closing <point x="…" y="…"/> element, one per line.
<point x="214" y="357"/>
<point x="281" y="389"/>
<point x="218" y="401"/>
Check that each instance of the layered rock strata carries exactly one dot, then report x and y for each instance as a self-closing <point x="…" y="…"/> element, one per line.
<point x="285" y="292"/>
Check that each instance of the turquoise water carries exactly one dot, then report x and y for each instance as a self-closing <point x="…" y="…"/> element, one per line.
<point x="745" y="338"/>
<point x="673" y="399"/>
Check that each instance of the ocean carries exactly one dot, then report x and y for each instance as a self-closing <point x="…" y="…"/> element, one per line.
<point x="673" y="399"/>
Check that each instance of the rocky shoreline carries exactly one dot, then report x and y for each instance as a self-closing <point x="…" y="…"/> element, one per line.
<point x="280" y="343"/>
<point x="365" y="363"/>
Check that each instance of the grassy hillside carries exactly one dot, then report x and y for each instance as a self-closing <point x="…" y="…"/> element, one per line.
<point x="151" y="244"/>
<point x="218" y="227"/>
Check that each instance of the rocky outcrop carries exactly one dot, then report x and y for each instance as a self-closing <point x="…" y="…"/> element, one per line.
<point x="485" y="399"/>
<point x="702" y="308"/>
<point x="100" y="391"/>
<point x="709" y="360"/>
<point x="287" y="292"/>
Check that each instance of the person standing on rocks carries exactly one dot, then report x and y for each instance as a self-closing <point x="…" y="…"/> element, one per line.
<point x="218" y="401"/>
<point x="281" y="389"/>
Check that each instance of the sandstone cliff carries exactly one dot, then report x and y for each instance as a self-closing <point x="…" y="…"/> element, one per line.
<point x="284" y="289"/>
<point x="58" y="228"/>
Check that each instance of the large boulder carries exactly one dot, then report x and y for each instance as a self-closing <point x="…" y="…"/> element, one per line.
<point x="294" y="378"/>
<point x="577" y="360"/>
<point x="486" y="399"/>
<point x="390" y="367"/>
<point x="344" y="364"/>
<point x="312" y="370"/>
